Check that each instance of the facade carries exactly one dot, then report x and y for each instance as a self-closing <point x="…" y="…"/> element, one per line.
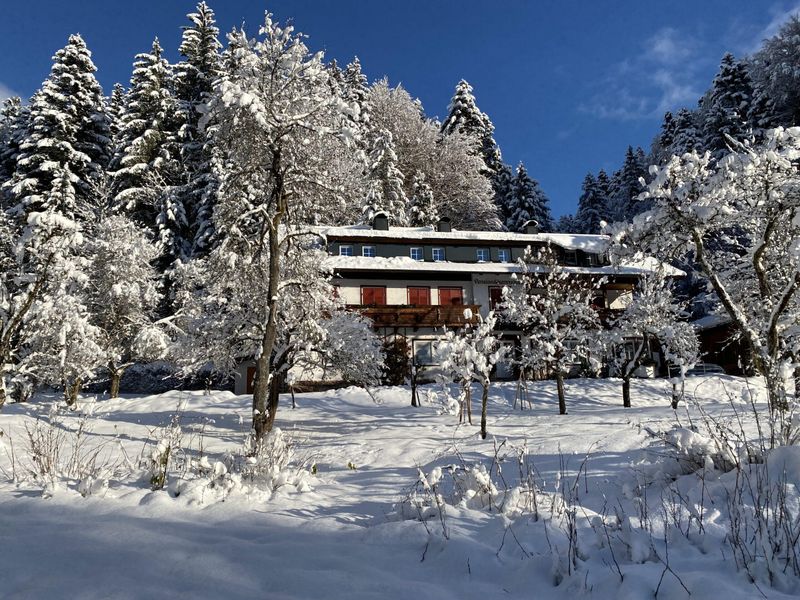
<point x="415" y="282"/>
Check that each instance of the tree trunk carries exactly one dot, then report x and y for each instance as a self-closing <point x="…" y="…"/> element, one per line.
<point x="562" y="402"/>
<point x="274" y="397"/>
<point x="414" y="400"/>
<point x="676" y="395"/>
<point x="71" y="392"/>
<point x="469" y="403"/>
<point x="260" y="392"/>
<point x="116" y="379"/>
<point x="626" y="391"/>
<point x="484" y="402"/>
<point x="3" y="392"/>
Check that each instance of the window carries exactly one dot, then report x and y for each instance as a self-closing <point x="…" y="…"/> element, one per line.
<point x="483" y="255"/>
<point x="570" y="257"/>
<point x="373" y="295"/>
<point x="495" y="296"/>
<point x="420" y="296"/>
<point x="504" y="255"/>
<point x="451" y="295"/>
<point x="438" y="254"/>
<point x="423" y="353"/>
<point x="593" y="259"/>
<point x="345" y="251"/>
<point x="368" y="251"/>
<point x="416" y="254"/>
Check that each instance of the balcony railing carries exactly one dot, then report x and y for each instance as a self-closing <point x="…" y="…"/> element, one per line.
<point x="451" y="315"/>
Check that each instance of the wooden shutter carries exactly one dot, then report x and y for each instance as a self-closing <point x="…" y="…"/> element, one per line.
<point x="420" y="296"/>
<point x="373" y="296"/>
<point x="451" y="295"/>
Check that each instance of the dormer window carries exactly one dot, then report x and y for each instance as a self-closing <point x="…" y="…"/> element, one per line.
<point x="484" y="255"/>
<point x="416" y="254"/>
<point x="345" y="251"/>
<point x="438" y="254"/>
<point x="504" y="255"/>
<point x="571" y="257"/>
<point x="368" y="251"/>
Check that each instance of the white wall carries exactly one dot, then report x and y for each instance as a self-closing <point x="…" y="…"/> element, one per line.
<point x="397" y="290"/>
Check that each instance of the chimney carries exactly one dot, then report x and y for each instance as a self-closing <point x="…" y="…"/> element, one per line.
<point x="380" y="222"/>
<point x="443" y="225"/>
<point x="531" y="227"/>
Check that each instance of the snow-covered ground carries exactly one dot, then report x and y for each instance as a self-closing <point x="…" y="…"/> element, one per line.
<point x="338" y="530"/>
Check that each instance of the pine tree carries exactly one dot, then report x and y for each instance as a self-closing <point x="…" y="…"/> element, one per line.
<point x="116" y="108"/>
<point x="593" y="204"/>
<point x="356" y="94"/>
<point x="726" y="108"/>
<point x="67" y="133"/>
<point x="528" y="202"/>
<point x="194" y="87"/>
<point x="502" y="185"/>
<point x="687" y="137"/>
<point x="423" y="207"/>
<point x="628" y="187"/>
<point x="566" y="224"/>
<point x="147" y="162"/>
<point x="13" y="125"/>
<point x="385" y="192"/>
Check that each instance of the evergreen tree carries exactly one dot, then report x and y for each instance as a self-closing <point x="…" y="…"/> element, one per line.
<point x="687" y="137"/>
<point x="502" y="185"/>
<point x="356" y="94"/>
<point x="566" y="224"/>
<point x="116" y="108"/>
<point x="593" y="204"/>
<point x="628" y="187"/>
<point x="726" y="108"/>
<point x="385" y="192"/>
<point x="13" y="125"/>
<point x="776" y="78"/>
<point x="147" y="162"/>
<point x="67" y="135"/>
<point x="194" y="87"/>
<point x="423" y="206"/>
<point x="528" y="202"/>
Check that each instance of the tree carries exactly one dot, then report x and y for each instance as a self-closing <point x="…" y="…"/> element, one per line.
<point x="385" y="191"/>
<point x="777" y="77"/>
<point x="651" y="319"/>
<point x="629" y="183"/>
<point x="194" y="86"/>
<point x="13" y="124"/>
<point x="146" y="164"/>
<point x="274" y="110"/>
<point x="423" y="207"/>
<point x="527" y="202"/>
<point x="738" y="218"/>
<point x="725" y="110"/>
<point x="123" y="296"/>
<point x="687" y="136"/>
<point x="552" y="309"/>
<point x="67" y="133"/>
<point x="592" y="205"/>
<point x="470" y="355"/>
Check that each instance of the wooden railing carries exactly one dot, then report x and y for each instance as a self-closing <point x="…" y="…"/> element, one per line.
<point x="451" y="315"/>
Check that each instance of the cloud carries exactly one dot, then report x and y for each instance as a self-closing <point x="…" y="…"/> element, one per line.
<point x="6" y="92"/>
<point x="663" y="76"/>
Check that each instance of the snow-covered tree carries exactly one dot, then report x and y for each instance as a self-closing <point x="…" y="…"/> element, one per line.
<point x="527" y="202"/>
<point x="464" y="117"/>
<point x="146" y="164"/>
<point x="194" y="84"/>
<point x="628" y="184"/>
<point x="123" y="295"/>
<point x="470" y="354"/>
<point x="552" y="308"/>
<point x="116" y="108"/>
<point x="566" y="224"/>
<point x="13" y="125"/>
<point x="652" y="319"/>
<point x="67" y="133"/>
<point x="738" y="218"/>
<point x="776" y="74"/>
<point x="274" y="109"/>
<point x="385" y="192"/>
<point x="725" y="110"/>
<point x="687" y="136"/>
<point x="423" y="205"/>
<point x="451" y="167"/>
<point x="593" y="207"/>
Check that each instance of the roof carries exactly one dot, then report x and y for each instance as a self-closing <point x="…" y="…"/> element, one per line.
<point x="588" y="243"/>
<point x="404" y="263"/>
<point x="711" y="321"/>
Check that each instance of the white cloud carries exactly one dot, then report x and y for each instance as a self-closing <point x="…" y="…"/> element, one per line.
<point x="661" y="78"/>
<point x="6" y="92"/>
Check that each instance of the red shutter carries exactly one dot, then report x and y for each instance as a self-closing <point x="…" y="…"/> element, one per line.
<point x="451" y="295"/>
<point x="373" y="296"/>
<point x="420" y="296"/>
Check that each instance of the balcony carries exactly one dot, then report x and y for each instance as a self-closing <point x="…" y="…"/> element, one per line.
<point x="451" y="315"/>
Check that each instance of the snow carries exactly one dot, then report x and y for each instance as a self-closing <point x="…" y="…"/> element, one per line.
<point x="405" y="263"/>
<point x="340" y="533"/>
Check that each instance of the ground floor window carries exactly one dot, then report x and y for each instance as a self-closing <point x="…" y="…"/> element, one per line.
<point x="451" y="295"/>
<point x="419" y="296"/>
<point x="373" y="295"/>
<point x="423" y="352"/>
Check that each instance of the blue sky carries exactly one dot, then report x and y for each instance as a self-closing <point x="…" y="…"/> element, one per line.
<point x="567" y="84"/>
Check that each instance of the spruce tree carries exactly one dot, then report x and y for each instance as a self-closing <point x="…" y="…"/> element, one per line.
<point x="67" y="135"/>
<point x="628" y="187"/>
<point x="194" y="87"/>
<point x="356" y="94"/>
<point x="687" y="137"/>
<point x="146" y="166"/>
<point x="423" y="207"/>
<point x="529" y="203"/>
<point x="116" y="108"/>
<point x="385" y="191"/>
<point x="593" y="204"/>
<point x="726" y="108"/>
<point x="13" y="125"/>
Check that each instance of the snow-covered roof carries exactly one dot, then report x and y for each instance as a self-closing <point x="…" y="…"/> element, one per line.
<point x="710" y="321"/>
<point x="405" y="263"/>
<point x="588" y="243"/>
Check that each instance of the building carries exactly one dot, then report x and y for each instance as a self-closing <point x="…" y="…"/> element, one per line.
<point x="414" y="282"/>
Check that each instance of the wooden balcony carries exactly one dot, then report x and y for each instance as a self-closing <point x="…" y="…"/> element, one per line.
<point x="396" y="315"/>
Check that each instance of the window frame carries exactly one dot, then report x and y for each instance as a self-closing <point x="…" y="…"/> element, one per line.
<point x="372" y="287"/>
<point x="364" y="251"/>
<point x="449" y="289"/>
<point x="349" y="248"/>
<point x="493" y="304"/>
<point x="571" y="258"/>
<point x="439" y="249"/>
<point x="419" y="344"/>
<point x="421" y="253"/>
<point x="424" y="288"/>
<point x="488" y="252"/>
<point x="500" y="255"/>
